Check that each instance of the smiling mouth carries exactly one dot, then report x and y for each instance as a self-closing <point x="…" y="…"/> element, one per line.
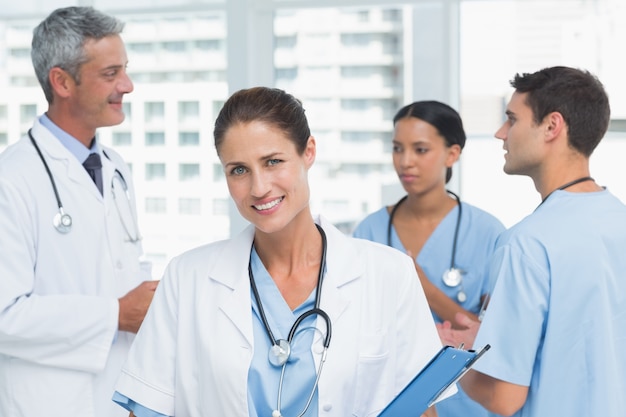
<point x="269" y="205"/>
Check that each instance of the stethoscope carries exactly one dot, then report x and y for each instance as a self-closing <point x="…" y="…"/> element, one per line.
<point x="280" y="350"/>
<point x="453" y="276"/>
<point x="62" y="221"/>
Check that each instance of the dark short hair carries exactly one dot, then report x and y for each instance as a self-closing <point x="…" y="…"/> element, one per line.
<point x="269" y="105"/>
<point x="442" y="117"/>
<point x="576" y="94"/>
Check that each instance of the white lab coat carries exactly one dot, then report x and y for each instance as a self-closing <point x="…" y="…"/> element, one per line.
<point x="58" y="292"/>
<point x="192" y="354"/>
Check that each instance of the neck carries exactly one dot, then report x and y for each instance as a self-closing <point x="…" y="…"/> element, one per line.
<point x="433" y="205"/>
<point x="291" y="248"/>
<point x="573" y="183"/>
<point x="77" y="130"/>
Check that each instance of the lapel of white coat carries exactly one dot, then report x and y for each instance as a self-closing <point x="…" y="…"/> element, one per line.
<point x="341" y="268"/>
<point x="231" y="270"/>
<point x="53" y="149"/>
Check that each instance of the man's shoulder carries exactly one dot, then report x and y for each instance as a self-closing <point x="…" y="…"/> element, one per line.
<point x="13" y="158"/>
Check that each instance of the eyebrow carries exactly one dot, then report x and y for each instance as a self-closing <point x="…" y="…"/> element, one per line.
<point x="114" y="66"/>
<point x="262" y="158"/>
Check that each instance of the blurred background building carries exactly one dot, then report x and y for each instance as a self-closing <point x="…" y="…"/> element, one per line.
<point x="353" y="64"/>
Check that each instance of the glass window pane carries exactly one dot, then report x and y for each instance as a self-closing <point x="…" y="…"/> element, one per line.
<point x="154" y="111"/>
<point x="189" y="206"/>
<point x="155" y="171"/>
<point x="218" y="173"/>
<point x="189" y="138"/>
<point x="28" y="112"/>
<point x="188" y="111"/>
<point x="122" y="139"/>
<point x="155" y="138"/>
<point x="156" y="205"/>
<point x="188" y="172"/>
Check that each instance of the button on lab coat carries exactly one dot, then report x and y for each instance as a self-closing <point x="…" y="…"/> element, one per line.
<point x="192" y="354"/>
<point x="58" y="292"/>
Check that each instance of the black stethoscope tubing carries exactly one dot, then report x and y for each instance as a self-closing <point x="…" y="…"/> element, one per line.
<point x="456" y="228"/>
<point x="65" y="220"/>
<point x="315" y="310"/>
<point x="45" y="164"/>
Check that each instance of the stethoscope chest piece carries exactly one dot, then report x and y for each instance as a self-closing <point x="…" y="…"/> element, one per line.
<point x="62" y="221"/>
<point x="452" y="277"/>
<point x="279" y="353"/>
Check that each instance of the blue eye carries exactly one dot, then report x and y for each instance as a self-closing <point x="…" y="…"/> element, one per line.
<point x="273" y="162"/>
<point x="238" y="170"/>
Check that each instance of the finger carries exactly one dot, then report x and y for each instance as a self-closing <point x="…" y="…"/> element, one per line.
<point x="464" y="320"/>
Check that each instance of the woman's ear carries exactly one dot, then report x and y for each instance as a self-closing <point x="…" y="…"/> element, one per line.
<point x="310" y="151"/>
<point x="454" y="152"/>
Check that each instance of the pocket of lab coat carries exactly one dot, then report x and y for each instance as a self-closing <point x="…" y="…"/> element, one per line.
<point x="373" y="382"/>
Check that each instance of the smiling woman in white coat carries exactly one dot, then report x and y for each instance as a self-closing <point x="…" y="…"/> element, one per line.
<point x="71" y="290"/>
<point x="289" y="318"/>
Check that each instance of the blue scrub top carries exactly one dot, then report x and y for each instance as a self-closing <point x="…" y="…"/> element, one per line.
<point x="556" y="319"/>
<point x="475" y="244"/>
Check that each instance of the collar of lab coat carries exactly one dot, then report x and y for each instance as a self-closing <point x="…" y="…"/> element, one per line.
<point x="231" y="270"/>
<point x="53" y="149"/>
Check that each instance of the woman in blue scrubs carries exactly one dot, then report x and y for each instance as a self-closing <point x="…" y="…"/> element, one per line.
<point x="451" y="241"/>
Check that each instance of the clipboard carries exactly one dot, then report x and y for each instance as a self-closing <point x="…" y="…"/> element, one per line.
<point x="442" y="371"/>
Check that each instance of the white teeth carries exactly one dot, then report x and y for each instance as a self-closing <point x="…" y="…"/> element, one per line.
<point x="269" y="205"/>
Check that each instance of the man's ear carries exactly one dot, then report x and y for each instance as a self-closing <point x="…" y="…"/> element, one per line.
<point x="554" y="125"/>
<point x="61" y="81"/>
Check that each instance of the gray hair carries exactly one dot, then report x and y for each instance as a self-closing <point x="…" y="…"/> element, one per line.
<point x="58" y="41"/>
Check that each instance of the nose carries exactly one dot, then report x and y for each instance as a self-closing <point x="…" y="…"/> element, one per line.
<point x="260" y="186"/>
<point x="502" y="132"/>
<point x="126" y="85"/>
<point x="405" y="158"/>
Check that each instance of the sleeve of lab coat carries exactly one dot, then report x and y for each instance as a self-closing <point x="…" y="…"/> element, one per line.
<point x="61" y="330"/>
<point x="148" y="377"/>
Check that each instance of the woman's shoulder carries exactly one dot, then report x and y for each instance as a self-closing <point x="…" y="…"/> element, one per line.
<point x="482" y="216"/>
<point x="372" y="224"/>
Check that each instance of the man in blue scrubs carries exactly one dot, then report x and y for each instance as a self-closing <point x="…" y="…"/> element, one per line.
<point x="556" y="318"/>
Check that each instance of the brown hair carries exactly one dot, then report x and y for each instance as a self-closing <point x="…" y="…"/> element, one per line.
<point x="269" y="105"/>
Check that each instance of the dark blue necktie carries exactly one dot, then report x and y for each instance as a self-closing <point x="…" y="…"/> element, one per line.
<point x="93" y="165"/>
